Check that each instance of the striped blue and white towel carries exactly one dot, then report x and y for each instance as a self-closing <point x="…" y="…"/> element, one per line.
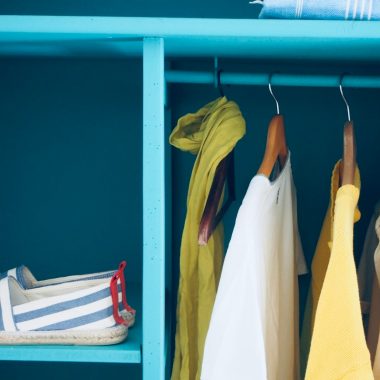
<point x="55" y="307"/>
<point x="322" y="9"/>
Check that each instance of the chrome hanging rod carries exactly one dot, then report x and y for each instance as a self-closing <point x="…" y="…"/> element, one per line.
<point x="302" y="80"/>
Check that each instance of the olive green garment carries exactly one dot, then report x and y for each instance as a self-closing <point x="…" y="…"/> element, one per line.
<point x="211" y="133"/>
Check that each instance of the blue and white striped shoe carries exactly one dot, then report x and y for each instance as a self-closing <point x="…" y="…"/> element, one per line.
<point x="28" y="281"/>
<point x="85" y="313"/>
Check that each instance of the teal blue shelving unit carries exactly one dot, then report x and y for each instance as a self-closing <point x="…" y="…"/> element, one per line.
<point x="118" y="36"/>
<point x="155" y="40"/>
<point x="128" y="352"/>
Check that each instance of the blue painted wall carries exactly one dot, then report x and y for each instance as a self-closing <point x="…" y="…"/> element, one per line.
<point x="133" y="8"/>
<point x="70" y="164"/>
<point x="65" y="371"/>
<point x="70" y="168"/>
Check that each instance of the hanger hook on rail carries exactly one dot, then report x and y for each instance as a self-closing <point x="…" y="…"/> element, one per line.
<point x="271" y="92"/>
<point x="220" y="88"/>
<point x="344" y="98"/>
<point x="217" y="81"/>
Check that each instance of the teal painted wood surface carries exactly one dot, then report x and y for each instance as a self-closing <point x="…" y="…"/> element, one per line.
<point x="269" y="39"/>
<point x="126" y="352"/>
<point x="171" y="287"/>
<point x="154" y="145"/>
<point x="262" y="79"/>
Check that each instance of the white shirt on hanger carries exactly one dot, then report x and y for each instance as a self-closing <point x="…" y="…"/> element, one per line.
<point x="253" y="331"/>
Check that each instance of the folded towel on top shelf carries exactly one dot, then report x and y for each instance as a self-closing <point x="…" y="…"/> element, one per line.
<point x="323" y="9"/>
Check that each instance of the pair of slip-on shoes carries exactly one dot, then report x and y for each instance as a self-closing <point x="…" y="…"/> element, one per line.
<point x="89" y="309"/>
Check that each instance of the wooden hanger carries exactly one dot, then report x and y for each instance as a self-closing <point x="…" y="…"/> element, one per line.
<point x="276" y="147"/>
<point x="348" y="166"/>
<point x="224" y="172"/>
<point x="347" y="173"/>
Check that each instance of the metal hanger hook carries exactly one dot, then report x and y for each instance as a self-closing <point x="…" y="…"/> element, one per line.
<point x="217" y="72"/>
<point x="220" y="88"/>
<point x="271" y="92"/>
<point x="344" y="98"/>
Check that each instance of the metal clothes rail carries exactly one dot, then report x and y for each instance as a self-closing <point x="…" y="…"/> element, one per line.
<point x="262" y="79"/>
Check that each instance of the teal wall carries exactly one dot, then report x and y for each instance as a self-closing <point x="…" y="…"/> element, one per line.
<point x="68" y="371"/>
<point x="133" y="8"/>
<point x="70" y="168"/>
<point x="70" y="164"/>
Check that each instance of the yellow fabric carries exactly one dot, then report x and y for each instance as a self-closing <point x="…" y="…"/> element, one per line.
<point x="319" y="265"/>
<point x="211" y="133"/>
<point x="338" y="348"/>
<point x="373" y="335"/>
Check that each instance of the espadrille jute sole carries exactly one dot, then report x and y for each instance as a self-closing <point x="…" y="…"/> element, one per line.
<point x="112" y="335"/>
<point x="128" y="317"/>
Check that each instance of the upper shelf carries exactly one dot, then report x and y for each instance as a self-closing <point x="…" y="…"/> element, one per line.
<point x="122" y="36"/>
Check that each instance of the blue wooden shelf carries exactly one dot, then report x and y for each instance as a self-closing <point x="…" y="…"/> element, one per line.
<point x="121" y="36"/>
<point x="126" y="352"/>
<point x="154" y="40"/>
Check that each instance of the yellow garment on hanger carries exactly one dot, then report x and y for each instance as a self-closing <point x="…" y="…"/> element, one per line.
<point x="211" y="133"/>
<point x="338" y="348"/>
<point x="318" y="269"/>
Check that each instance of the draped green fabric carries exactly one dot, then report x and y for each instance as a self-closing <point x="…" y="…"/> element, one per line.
<point x="211" y="133"/>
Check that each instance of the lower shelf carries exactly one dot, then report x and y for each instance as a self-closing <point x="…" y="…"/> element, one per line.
<point x="126" y="352"/>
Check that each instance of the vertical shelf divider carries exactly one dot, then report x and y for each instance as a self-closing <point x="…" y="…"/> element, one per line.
<point x="153" y="210"/>
<point x="170" y="290"/>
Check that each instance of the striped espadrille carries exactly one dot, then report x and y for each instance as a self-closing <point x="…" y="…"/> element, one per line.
<point x="28" y="281"/>
<point x="85" y="313"/>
